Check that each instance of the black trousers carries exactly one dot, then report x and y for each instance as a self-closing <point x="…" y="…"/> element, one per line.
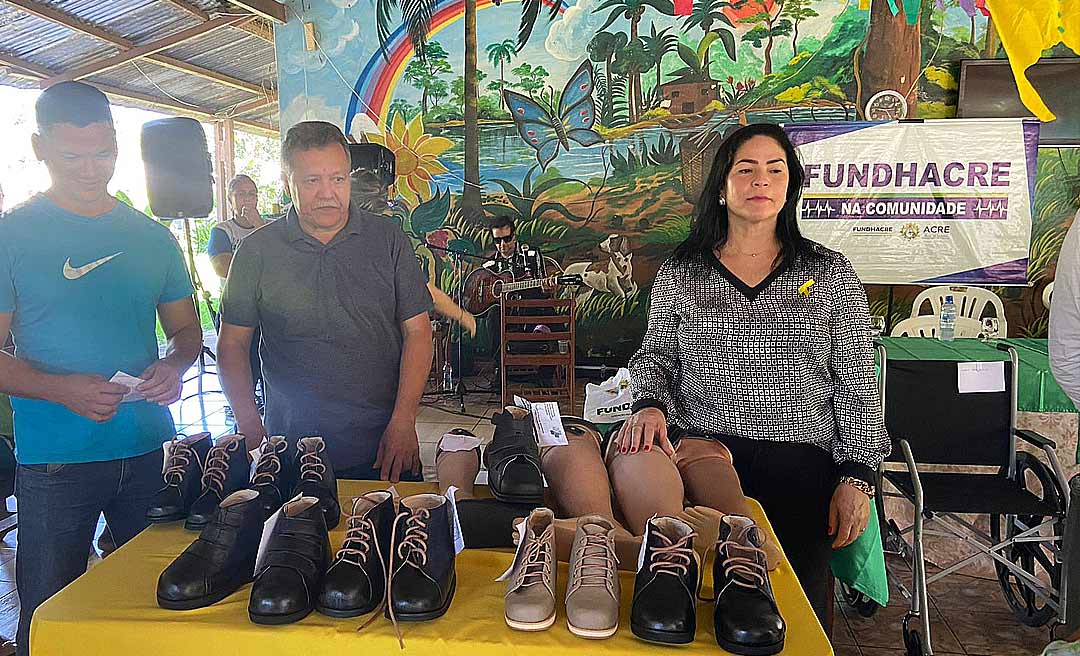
<point x="794" y="483"/>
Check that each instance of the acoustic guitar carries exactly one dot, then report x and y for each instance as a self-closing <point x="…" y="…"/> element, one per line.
<point x="483" y="288"/>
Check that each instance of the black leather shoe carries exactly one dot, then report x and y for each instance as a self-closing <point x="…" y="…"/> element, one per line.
<point x="315" y="477"/>
<point x="513" y="459"/>
<point x="271" y="477"/>
<point x="422" y="575"/>
<point x="292" y="566"/>
<point x="355" y="584"/>
<point x="665" y="589"/>
<point x="746" y="617"/>
<point x="225" y="471"/>
<point x="219" y="561"/>
<point x="182" y="474"/>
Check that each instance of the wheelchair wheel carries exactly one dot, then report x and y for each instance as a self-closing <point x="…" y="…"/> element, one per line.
<point x="863" y="605"/>
<point x="914" y="641"/>
<point x="1034" y="558"/>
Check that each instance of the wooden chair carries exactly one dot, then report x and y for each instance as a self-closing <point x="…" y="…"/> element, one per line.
<point x="560" y="319"/>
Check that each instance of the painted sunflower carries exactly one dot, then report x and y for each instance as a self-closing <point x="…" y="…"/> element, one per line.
<point x="417" y="157"/>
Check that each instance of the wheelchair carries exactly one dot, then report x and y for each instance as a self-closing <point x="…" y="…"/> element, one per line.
<point x="1026" y="498"/>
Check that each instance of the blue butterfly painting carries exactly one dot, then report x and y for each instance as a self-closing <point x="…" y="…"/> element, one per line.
<point x="577" y="115"/>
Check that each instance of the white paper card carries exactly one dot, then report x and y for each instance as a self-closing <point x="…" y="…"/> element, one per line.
<point x="254" y="456"/>
<point x="644" y="544"/>
<point x="521" y="529"/>
<point x="456" y="442"/>
<point x="167" y="447"/>
<point x="459" y="539"/>
<point x="128" y="381"/>
<point x="522" y="403"/>
<point x="547" y="420"/>
<point x="268" y="530"/>
<point x="972" y="377"/>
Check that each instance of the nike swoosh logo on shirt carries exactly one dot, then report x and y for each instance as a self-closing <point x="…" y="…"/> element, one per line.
<point x="74" y="273"/>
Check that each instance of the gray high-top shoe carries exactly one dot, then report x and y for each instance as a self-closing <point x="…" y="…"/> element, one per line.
<point x="530" y="591"/>
<point x="592" y="591"/>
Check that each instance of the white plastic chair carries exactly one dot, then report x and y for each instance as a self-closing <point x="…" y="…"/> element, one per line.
<point x="970" y="302"/>
<point x="927" y="326"/>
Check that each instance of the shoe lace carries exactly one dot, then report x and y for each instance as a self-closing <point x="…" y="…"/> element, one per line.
<point x="597" y="563"/>
<point x="180" y="456"/>
<point x="312" y="467"/>
<point x="413" y="548"/>
<point x="269" y="464"/>
<point x="359" y="539"/>
<point x="535" y="565"/>
<point x="674" y="557"/>
<point x="743" y="564"/>
<point x="217" y="465"/>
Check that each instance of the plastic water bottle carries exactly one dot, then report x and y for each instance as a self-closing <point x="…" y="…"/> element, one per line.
<point x="947" y="320"/>
<point x="447" y="377"/>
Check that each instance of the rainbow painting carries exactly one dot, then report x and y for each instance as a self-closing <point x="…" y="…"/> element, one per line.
<point x="374" y="88"/>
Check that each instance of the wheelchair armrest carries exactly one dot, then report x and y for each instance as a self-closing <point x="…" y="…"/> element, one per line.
<point x="916" y="482"/>
<point x="1034" y="439"/>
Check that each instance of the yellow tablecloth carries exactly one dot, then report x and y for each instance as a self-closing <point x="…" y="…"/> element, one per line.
<point x="112" y="610"/>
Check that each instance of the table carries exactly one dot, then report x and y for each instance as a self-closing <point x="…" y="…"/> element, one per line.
<point x="1037" y="390"/>
<point x="112" y="610"/>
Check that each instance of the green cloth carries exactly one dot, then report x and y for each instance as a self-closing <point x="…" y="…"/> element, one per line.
<point x="6" y="427"/>
<point x="861" y="564"/>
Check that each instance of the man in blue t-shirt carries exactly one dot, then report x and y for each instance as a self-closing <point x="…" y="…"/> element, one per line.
<point x="82" y="279"/>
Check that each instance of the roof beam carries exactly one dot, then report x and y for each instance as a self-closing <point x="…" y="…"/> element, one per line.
<point x="258" y="103"/>
<point x="139" y="52"/>
<point x="46" y="12"/>
<point x="259" y="27"/>
<point x="41" y="72"/>
<point x="269" y="9"/>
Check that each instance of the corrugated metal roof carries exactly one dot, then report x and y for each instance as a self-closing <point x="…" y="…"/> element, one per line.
<point x="46" y="46"/>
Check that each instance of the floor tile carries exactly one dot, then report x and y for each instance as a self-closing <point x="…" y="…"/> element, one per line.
<point x="841" y="633"/>
<point x="846" y="650"/>
<point x="884" y="630"/>
<point x="961" y="592"/>
<point x="994" y="634"/>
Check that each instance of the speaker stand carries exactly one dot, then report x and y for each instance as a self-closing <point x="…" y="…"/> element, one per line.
<point x="206" y="352"/>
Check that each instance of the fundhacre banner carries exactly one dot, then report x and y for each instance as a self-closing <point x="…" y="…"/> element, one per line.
<point x="936" y="201"/>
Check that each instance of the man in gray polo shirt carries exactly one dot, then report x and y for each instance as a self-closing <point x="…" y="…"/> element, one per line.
<point x="341" y="300"/>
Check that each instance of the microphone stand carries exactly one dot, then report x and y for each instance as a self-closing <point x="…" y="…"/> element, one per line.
<point x="459" y="390"/>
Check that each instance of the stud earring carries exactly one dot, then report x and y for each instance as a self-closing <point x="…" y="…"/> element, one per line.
<point x="723" y="201"/>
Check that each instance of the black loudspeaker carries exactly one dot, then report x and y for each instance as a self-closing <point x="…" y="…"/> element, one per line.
<point x="374" y="158"/>
<point x="179" y="175"/>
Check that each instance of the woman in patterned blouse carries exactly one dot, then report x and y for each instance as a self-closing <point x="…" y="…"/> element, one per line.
<point x="756" y="370"/>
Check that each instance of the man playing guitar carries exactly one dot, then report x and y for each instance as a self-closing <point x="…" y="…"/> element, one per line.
<point x="519" y="259"/>
<point x="522" y="263"/>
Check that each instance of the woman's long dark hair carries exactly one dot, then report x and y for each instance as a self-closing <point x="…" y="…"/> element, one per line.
<point x="710" y="225"/>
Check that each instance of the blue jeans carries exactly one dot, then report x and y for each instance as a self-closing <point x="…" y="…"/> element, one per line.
<point x="59" y="507"/>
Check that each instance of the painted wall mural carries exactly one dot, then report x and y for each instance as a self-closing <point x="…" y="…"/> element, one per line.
<point x="593" y="122"/>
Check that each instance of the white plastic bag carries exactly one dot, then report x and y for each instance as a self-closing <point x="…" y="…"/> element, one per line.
<point x="610" y="401"/>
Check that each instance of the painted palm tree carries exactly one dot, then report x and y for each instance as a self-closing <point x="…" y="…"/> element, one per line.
<point x="602" y="48"/>
<point x="500" y="54"/>
<point x="633" y="10"/>
<point x="707" y="12"/>
<point x="658" y="44"/>
<point x="416" y="16"/>
<point x="632" y="61"/>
